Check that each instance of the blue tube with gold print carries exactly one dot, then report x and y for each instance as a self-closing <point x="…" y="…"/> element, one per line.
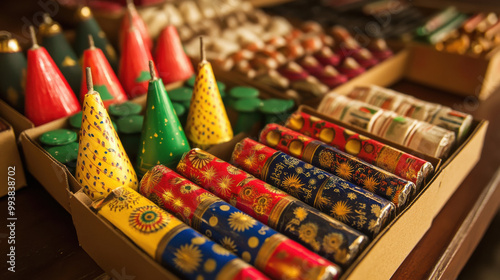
<point x="269" y="251"/>
<point x="300" y="222"/>
<point x="332" y="195"/>
<point x="169" y="241"/>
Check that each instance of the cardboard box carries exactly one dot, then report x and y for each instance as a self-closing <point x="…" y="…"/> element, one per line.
<point x="392" y="245"/>
<point x="11" y="166"/>
<point x="399" y="238"/>
<point x="463" y="74"/>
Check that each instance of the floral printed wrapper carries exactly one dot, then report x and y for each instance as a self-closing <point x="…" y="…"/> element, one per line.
<point x="409" y="106"/>
<point x="300" y="222"/>
<point x="338" y="163"/>
<point x="423" y="137"/>
<point x="269" y="251"/>
<point x="332" y="195"/>
<point x="169" y="241"/>
<point x="381" y="155"/>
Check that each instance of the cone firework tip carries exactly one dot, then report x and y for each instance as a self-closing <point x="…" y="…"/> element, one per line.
<point x="152" y="71"/>
<point x="91" y="42"/>
<point x="90" y="84"/>
<point x="202" y="51"/>
<point x="33" y="38"/>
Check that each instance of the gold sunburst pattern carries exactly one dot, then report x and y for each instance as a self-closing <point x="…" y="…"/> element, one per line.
<point x="126" y="200"/>
<point x="167" y="196"/>
<point x="177" y="203"/>
<point x="199" y="160"/>
<point x="344" y="170"/>
<point x="228" y="244"/>
<point x="300" y="213"/>
<point x="341" y="211"/>
<point x="322" y="202"/>
<point x="151" y="179"/>
<point x="239" y="221"/>
<point x="209" y="174"/>
<point x="224" y="185"/>
<point x="292" y="184"/>
<point x="187" y="258"/>
<point x="188" y="188"/>
<point x="308" y="232"/>
<point x="250" y="160"/>
<point x="370" y="184"/>
<point x="326" y="158"/>
<point x="181" y="167"/>
<point x="332" y="242"/>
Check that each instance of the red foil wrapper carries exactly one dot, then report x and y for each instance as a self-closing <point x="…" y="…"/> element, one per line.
<point x="269" y="251"/>
<point x="402" y="164"/>
<point x="273" y="207"/>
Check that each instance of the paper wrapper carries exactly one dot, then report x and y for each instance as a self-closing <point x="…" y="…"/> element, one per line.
<point x="170" y="242"/>
<point x="274" y="208"/>
<point x="332" y="195"/>
<point x="241" y="234"/>
<point x="102" y="164"/>
<point x="340" y="164"/>
<point x="411" y="107"/>
<point x="388" y="125"/>
<point x="381" y="155"/>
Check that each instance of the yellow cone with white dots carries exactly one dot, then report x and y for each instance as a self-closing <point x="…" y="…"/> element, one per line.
<point x="102" y="163"/>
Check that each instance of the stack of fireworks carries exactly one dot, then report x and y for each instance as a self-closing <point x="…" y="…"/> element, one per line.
<point x="426" y="127"/>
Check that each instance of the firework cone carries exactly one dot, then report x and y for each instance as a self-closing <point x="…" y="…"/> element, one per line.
<point x="162" y="140"/>
<point x="48" y="95"/>
<point x="12" y="72"/>
<point x="102" y="163"/>
<point x="105" y="80"/>
<point x="207" y="122"/>
<point x="134" y="72"/>
<point x="133" y="17"/>
<point x="172" y="62"/>
<point x="86" y="26"/>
